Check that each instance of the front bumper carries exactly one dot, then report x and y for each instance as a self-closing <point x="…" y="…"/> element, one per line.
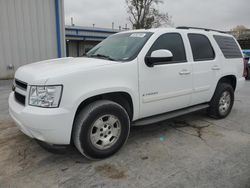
<point x="51" y="125"/>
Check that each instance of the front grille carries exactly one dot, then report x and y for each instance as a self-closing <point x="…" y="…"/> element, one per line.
<point x="20" y="98"/>
<point x="21" y="85"/>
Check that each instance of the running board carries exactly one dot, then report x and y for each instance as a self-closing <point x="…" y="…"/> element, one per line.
<point x="169" y="115"/>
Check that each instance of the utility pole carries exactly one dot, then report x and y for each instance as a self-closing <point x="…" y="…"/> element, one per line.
<point x="72" y="21"/>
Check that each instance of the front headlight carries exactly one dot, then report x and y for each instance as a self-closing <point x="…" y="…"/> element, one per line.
<point x="45" y="96"/>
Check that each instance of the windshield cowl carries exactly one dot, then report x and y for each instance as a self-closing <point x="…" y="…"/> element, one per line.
<point x="101" y="56"/>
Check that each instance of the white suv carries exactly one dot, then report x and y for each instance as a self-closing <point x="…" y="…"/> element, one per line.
<point x="132" y="78"/>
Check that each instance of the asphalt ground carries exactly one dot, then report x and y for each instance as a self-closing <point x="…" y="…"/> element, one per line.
<point x="188" y="151"/>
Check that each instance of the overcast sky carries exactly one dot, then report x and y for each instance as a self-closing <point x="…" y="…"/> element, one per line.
<point x="216" y="14"/>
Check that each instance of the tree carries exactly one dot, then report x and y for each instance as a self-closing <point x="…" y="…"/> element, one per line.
<point x="239" y="28"/>
<point x="144" y="14"/>
<point x="239" y="32"/>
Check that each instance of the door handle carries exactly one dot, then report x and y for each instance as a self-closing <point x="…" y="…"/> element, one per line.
<point x="216" y="67"/>
<point x="184" y="72"/>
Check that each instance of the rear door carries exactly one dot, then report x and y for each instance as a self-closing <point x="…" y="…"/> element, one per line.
<point x="206" y="67"/>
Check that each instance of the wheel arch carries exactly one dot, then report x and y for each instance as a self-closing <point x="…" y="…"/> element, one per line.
<point x="120" y="97"/>
<point x="230" y="79"/>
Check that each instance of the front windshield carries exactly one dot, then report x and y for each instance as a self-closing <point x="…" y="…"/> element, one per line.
<point x="120" y="47"/>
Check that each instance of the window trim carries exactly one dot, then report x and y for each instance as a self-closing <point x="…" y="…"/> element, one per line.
<point x="169" y="62"/>
<point x="204" y="59"/>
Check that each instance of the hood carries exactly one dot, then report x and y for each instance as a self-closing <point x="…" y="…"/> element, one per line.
<point x="39" y="72"/>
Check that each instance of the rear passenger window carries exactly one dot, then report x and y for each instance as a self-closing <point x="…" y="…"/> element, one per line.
<point x="228" y="46"/>
<point x="201" y="47"/>
<point x="172" y="42"/>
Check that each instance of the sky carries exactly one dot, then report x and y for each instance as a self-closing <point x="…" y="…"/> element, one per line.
<point x="214" y="14"/>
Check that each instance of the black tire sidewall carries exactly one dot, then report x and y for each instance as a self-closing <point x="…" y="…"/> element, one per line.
<point x="214" y="106"/>
<point x="108" y="109"/>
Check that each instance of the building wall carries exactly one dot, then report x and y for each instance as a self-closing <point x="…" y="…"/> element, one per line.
<point x="80" y="39"/>
<point x="243" y="37"/>
<point x="29" y="33"/>
<point x="76" y="48"/>
<point x="245" y="44"/>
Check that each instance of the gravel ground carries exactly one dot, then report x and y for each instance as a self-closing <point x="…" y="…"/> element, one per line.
<point x="189" y="151"/>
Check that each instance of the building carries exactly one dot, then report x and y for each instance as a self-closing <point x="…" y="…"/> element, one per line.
<point x="30" y="31"/>
<point x="79" y="40"/>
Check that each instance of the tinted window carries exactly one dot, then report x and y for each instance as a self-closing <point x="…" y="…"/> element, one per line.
<point x="172" y="42"/>
<point x="201" y="47"/>
<point x="228" y="46"/>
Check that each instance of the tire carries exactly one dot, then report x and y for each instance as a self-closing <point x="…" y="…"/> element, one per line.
<point x="247" y="75"/>
<point x="56" y="149"/>
<point x="101" y="129"/>
<point x="221" y="105"/>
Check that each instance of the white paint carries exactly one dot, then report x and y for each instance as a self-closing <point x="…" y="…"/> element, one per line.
<point x="154" y="90"/>
<point x="162" y="53"/>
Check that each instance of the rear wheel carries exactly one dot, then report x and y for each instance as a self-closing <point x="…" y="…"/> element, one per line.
<point x="222" y="101"/>
<point x="101" y="129"/>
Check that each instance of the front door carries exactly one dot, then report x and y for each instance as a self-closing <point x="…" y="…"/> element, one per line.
<point x="166" y="86"/>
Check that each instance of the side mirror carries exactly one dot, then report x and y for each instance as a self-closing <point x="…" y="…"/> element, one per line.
<point x="158" y="56"/>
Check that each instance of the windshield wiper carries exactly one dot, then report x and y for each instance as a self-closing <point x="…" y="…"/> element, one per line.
<point x="103" y="56"/>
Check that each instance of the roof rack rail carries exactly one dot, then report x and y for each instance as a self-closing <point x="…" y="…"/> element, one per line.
<point x="200" y="28"/>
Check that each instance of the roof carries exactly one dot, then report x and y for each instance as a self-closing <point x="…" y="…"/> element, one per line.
<point x="181" y="30"/>
<point x="91" y="29"/>
<point x="88" y="33"/>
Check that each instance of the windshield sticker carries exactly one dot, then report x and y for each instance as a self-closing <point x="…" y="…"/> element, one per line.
<point x="139" y="35"/>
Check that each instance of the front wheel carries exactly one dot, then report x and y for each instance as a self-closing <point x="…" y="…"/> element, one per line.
<point x="222" y="101"/>
<point x="101" y="129"/>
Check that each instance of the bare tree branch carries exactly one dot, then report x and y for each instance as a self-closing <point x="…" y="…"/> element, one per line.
<point x="144" y="14"/>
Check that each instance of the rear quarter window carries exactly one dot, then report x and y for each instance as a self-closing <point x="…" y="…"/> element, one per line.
<point x="228" y="46"/>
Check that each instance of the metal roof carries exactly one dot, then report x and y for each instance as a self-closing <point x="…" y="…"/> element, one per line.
<point x="93" y="29"/>
<point x="88" y="33"/>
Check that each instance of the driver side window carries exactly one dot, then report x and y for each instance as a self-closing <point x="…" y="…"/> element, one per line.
<point x="172" y="42"/>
